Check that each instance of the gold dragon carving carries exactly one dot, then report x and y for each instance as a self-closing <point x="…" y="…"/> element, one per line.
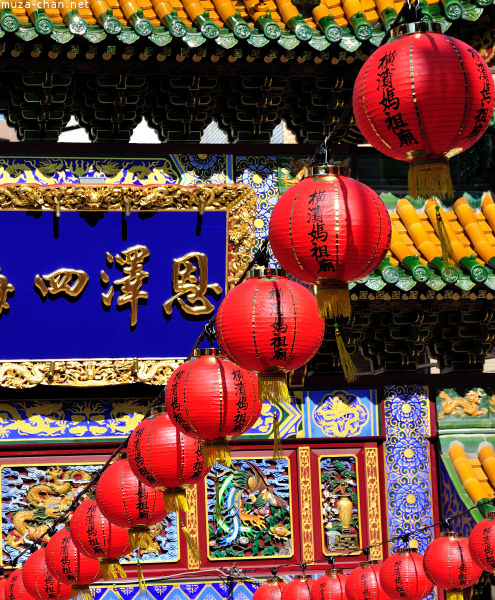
<point x="238" y="200"/>
<point x="468" y="406"/>
<point x="47" y="501"/>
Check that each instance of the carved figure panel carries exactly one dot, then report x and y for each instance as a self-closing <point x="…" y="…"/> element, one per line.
<point x="33" y="496"/>
<point x="254" y="496"/>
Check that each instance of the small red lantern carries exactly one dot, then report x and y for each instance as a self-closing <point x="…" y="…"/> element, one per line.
<point x="270" y="325"/>
<point x="331" y="586"/>
<point x="402" y="576"/>
<point x="482" y="543"/>
<point x="94" y="535"/>
<point x="363" y="583"/>
<point x="128" y="503"/>
<point x="155" y="438"/>
<point x="449" y="564"/>
<point x="330" y="230"/>
<point x="211" y="398"/>
<point x="271" y="590"/>
<point x="70" y="566"/>
<point x="408" y="112"/>
<point x="3" y="583"/>
<point x="15" y="588"/>
<point x="39" y="582"/>
<point x="298" y="589"/>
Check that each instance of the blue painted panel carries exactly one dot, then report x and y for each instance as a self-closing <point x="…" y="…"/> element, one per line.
<point x="30" y="245"/>
<point x="341" y="413"/>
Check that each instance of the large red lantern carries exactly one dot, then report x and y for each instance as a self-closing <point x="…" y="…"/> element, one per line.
<point x="39" y="582"/>
<point x="363" y="583"/>
<point x="271" y="590"/>
<point x="331" y="586"/>
<point x="211" y="398"/>
<point x="423" y="98"/>
<point x="129" y="503"/>
<point x="482" y="543"/>
<point x="94" y="535"/>
<point x="155" y="438"/>
<point x="403" y="577"/>
<point x="298" y="589"/>
<point x="15" y="588"/>
<point x="270" y="325"/>
<point x="330" y="230"/>
<point x="70" y="566"/>
<point x="449" y="564"/>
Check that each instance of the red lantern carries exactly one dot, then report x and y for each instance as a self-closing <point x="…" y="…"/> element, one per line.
<point x="270" y="325"/>
<point x="15" y="588"/>
<point x="39" y="582"/>
<point x="482" y="543"/>
<point x="211" y="398"/>
<point x="449" y="564"/>
<point x="331" y="586"/>
<point x="298" y="589"/>
<point x="271" y="590"/>
<point x="95" y="536"/>
<point x="402" y="576"/>
<point x="69" y="565"/>
<point x="130" y="504"/>
<point x="363" y="583"/>
<point x="423" y="98"/>
<point x="3" y="583"/>
<point x="155" y="438"/>
<point x="330" y="230"/>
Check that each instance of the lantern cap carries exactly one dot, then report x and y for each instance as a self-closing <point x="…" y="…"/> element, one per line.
<point x="421" y="27"/>
<point x="405" y="551"/>
<point x="367" y="563"/>
<point x="322" y="170"/>
<point x="265" y="272"/>
<point x="303" y="577"/>
<point x="490" y="515"/>
<point x="333" y="572"/>
<point x="208" y="352"/>
<point x="455" y="535"/>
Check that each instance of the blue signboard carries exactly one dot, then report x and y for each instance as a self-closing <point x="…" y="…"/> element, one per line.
<point x="93" y="285"/>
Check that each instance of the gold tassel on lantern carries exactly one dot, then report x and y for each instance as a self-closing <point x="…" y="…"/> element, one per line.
<point x="350" y="371"/>
<point x="454" y="595"/>
<point x="273" y="387"/>
<point x="278" y="451"/>
<point x="112" y="569"/>
<point x="140" y="538"/>
<point x="430" y="178"/>
<point x="142" y="582"/>
<point x="333" y="300"/>
<point x="215" y="452"/>
<point x="175" y="500"/>
<point x="218" y="507"/>
<point x="191" y="543"/>
<point x="81" y="593"/>
<point x="448" y="257"/>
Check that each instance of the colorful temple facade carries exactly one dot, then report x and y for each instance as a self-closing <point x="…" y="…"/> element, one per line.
<point x="82" y="354"/>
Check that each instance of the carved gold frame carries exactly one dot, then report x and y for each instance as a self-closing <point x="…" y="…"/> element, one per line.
<point x="239" y="201"/>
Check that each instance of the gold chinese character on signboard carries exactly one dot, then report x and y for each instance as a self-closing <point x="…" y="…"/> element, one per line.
<point x="190" y="285"/>
<point x="62" y="281"/>
<point x="5" y="289"/>
<point x="131" y="260"/>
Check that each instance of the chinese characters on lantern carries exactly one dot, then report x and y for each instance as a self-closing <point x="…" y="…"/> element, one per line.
<point x="189" y="283"/>
<point x="278" y="340"/>
<point x="318" y="235"/>
<point x="242" y="402"/>
<point x="390" y="102"/>
<point x="92" y="531"/>
<point x="482" y="114"/>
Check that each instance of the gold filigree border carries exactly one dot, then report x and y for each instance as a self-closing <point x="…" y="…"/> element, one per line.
<point x="192" y="524"/>
<point x="373" y="492"/>
<point x="307" y="537"/>
<point x="238" y="200"/>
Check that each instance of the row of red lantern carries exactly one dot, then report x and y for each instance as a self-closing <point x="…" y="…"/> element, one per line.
<point x="451" y="562"/>
<point x="72" y="559"/>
